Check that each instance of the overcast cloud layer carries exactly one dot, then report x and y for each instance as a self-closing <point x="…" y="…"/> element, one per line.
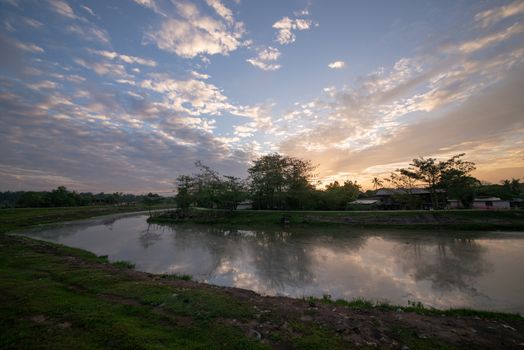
<point x="127" y="95"/>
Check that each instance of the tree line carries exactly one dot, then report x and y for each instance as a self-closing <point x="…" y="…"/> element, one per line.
<point x="62" y="197"/>
<point x="282" y="182"/>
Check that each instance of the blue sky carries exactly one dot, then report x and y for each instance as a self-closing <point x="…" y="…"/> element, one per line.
<point x="127" y="95"/>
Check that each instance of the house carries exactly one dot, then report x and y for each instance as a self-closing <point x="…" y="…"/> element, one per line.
<point x="454" y="204"/>
<point x="363" y="204"/>
<point x="409" y="198"/>
<point x="491" y="203"/>
<point x="245" y="205"/>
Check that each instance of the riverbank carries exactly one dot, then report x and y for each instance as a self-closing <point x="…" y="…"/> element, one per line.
<point x="419" y="219"/>
<point x="52" y="296"/>
<point x="19" y="218"/>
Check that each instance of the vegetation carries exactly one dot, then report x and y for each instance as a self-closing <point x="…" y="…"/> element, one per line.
<point x="278" y="182"/>
<point x="209" y="189"/>
<point x="62" y="197"/>
<point x="412" y="219"/>
<point x="17" y="218"/>
<point x="274" y="182"/>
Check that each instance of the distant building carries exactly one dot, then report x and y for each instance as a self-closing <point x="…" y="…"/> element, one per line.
<point x="491" y="203"/>
<point x="245" y="205"/>
<point x="364" y="204"/>
<point x="409" y="198"/>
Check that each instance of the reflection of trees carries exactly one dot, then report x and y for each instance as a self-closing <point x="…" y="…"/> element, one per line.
<point x="149" y="237"/>
<point x="275" y="258"/>
<point x="450" y="263"/>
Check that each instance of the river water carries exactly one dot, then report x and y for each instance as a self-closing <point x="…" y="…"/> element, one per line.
<point x="483" y="270"/>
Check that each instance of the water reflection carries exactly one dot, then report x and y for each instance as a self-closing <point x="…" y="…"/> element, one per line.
<point x="436" y="268"/>
<point x="451" y="264"/>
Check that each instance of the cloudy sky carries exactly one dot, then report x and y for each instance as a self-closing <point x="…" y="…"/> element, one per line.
<point x="126" y="95"/>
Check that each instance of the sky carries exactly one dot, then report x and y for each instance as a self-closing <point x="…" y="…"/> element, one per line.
<point x="127" y="95"/>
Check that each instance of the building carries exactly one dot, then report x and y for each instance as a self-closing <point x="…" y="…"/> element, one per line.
<point x="491" y="203"/>
<point x="245" y="205"/>
<point x="409" y="198"/>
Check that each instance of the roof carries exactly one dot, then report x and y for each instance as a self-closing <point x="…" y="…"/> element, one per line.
<point x="490" y="199"/>
<point x="365" y="201"/>
<point x="392" y="191"/>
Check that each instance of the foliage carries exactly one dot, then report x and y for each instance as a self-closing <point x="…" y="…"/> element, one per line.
<point x="209" y="189"/>
<point x="63" y="197"/>
<point x="281" y="182"/>
<point x="337" y="197"/>
<point x="435" y="174"/>
<point x="508" y="189"/>
<point x="377" y="183"/>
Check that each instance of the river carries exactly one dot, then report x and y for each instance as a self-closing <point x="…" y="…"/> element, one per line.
<point x="442" y="269"/>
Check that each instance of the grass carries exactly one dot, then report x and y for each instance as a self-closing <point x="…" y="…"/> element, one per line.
<point x="174" y="276"/>
<point x="418" y="219"/>
<point x="414" y="306"/>
<point x="122" y="264"/>
<point x="19" y="218"/>
<point x="49" y="301"/>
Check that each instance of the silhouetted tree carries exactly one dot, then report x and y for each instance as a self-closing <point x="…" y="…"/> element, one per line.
<point x="376" y="183"/>
<point x="438" y="174"/>
<point x="280" y="182"/>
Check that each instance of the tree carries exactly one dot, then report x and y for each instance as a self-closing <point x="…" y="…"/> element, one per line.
<point x="151" y="199"/>
<point x="280" y="182"/>
<point x="60" y="197"/>
<point x="337" y="197"/>
<point x="209" y="189"/>
<point x="404" y="184"/>
<point x="431" y="173"/>
<point x="184" y="187"/>
<point x="376" y="183"/>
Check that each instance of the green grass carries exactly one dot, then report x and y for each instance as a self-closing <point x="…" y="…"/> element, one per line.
<point x="418" y="219"/>
<point x="19" y="218"/>
<point x="413" y="306"/>
<point x="49" y="301"/>
<point x="174" y="276"/>
<point x="122" y="264"/>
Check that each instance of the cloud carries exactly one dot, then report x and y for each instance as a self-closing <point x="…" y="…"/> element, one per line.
<point x="337" y="65"/>
<point x="286" y="26"/>
<point x="62" y="8"/>
<point x="103" y="68"/>
<point x="221" y="10"/>
<point x="197" y="34"/>
<point x="192" y="96"/>
<point x="29" y="47"/>
<point x="491" y="16"/>
<point x="89" y="32"/>
<point x="32" y="22"/>
<point x="151" y="4"/>
<point x="200" y="76"/>
<point x="124" y="58"/>
<point x="87" y="148"/>
<point x="265" y="59"/>
<point x="492" y="38"/>
<point x="88" y="10"/>
<point x="393" y="115"/>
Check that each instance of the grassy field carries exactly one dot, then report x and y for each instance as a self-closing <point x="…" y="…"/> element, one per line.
<point x="442" y="219"/>
<point x="56" y="297"/>
<point x="19" y="218"/>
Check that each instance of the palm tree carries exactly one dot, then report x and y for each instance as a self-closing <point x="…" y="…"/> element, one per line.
<point x="376" y="183"/>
